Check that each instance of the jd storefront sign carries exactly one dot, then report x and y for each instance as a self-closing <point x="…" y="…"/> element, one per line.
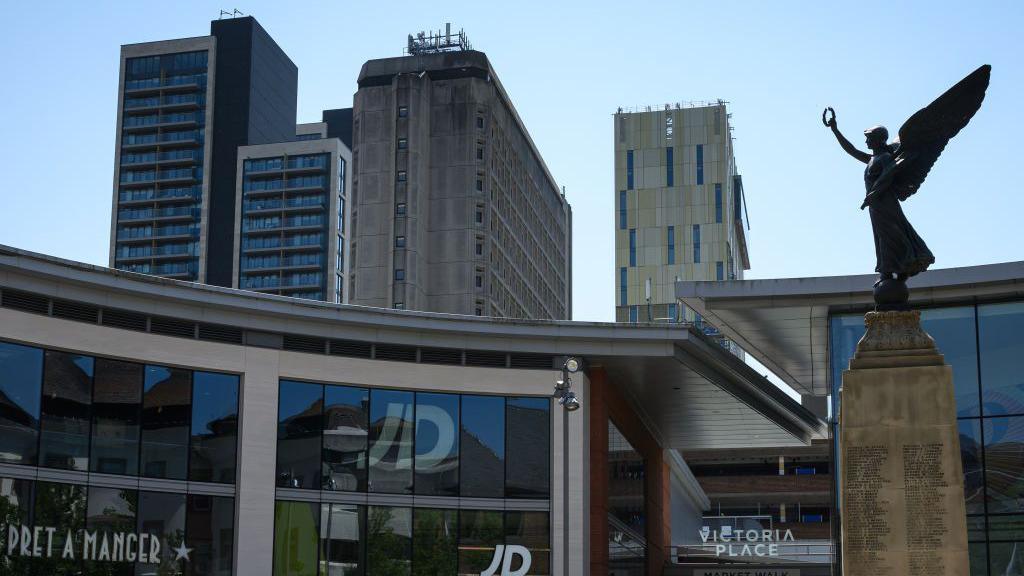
<point x="504" y="556"/>
<point x="95" y="545"/>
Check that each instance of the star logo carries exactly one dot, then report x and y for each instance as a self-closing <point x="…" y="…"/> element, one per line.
<point x="181" y="552"/>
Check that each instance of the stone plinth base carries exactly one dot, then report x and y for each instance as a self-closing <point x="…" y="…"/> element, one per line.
<point x="902" y="485"/>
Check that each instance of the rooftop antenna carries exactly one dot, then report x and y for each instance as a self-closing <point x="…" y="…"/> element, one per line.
<point x="235" y="12"/>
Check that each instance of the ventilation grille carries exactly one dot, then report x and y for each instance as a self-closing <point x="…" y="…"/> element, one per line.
<point x="440" y="356"/>
<point x="228" y="334"/>
<point x="25" y="301"/>
<point x="172" y="327"/>
<point x="124" y="319"/>
<point x="395" y="352"/>
<point x="533" y="361"/>
<point x="481" y="358"/>
<point x="305" y="344"/>
<point x="128" y="320"/>
<point x="351" y="348"/>
<point x="76" y="311"/>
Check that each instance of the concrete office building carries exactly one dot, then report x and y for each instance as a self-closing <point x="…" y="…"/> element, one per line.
<point x="455" y="210"/>
<point x="184" y="108"/>
<point x="806" y="330"/>
<point x="679" y="208"/>
<point x="290" y="217"/>
<point x="233" y="432"/>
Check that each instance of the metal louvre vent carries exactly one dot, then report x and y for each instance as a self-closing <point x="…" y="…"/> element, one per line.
<point x="124" y="319"/>
<point x="440" y="356"/>
<point x="228" y="334"/>
<point x="533" y="361"/>
<point x="172" y="327"/>
<point x="482" y="358"/>
<point x="76" y="311"/>
<point x="351" y="348"/>
<point x="305" y="344"/>
<point x="395" y="352"/>
<point x="25" y="301"/>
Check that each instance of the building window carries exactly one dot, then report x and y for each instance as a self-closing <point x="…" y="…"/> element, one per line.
<point x="632" y="247"/>
<point x="671" y="244"/>
<point x="719" y="270"/>
<point x="479" y="215"/>
<point x="479" y="248"/>
<point x="478" y="280"/>
<point x="482" y="445"/>
<point x="480" y="122"/>
<point x="633" y="314"/>
<point x="117" y="400"/>
<point x="629" y="169"/>
<point x="437" y="444"/>
<point x="214" y="427"/>
<point x="391" y="441"/>
<point x="479" y="153"/>
<point x="399" y="241"/>
<point x="401" y="176"/>
<point x="669" y="168"/>
<point x="66" y="409"/>
<point x="626" y="502"/>
<point x="299" y="428"/>
<point x="673" y="312"/>
<point x="21" y="384"/>
<point x="399" y="274"/>
<point x="399" y="306"/>
<point x="403" y="143"/>
<point x="700" y="164"/>
<point x="403" y="111"/>
<point x="696" y="243"/>
<point x="479" y="311"/>
<point x="400" y="209"/>
<point x="528" y="433"/>
<point x="622" y="210"/>
<point x="622" y="286"/>
<point x="718" y="203"/>
<point x="479" y="185"/>
<point x="166" y="396"/>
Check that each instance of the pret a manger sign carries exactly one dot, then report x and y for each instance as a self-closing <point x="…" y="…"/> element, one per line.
<point x="737" y="542"/>
<point x="99" y="545"/>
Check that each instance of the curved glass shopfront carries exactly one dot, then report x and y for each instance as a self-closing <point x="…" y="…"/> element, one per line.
<point x="114" y="467"/>
<point x="384" y="481"/>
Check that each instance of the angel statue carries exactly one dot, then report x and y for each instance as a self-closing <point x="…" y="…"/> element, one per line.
<point x="896" y="170"/>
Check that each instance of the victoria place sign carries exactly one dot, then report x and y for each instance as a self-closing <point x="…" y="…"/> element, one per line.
<point x="39" y="542"/>
<point x="733" y="542"/>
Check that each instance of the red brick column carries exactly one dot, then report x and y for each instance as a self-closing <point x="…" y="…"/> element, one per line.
<point x="607" y="403"/>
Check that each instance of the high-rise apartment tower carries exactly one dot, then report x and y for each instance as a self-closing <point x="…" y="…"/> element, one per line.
<point x="184" y="108"/>
<point x="679" y="208"/>
<point x="454" y="208"/>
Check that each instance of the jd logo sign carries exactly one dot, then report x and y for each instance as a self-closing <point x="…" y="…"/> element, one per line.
<point x="508" y="552"/>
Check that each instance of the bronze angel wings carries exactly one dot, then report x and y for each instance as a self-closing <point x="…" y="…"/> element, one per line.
<point x="923" y="137"/>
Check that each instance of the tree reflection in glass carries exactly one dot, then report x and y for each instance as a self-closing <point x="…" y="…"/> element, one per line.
<point x="388" y="541"/>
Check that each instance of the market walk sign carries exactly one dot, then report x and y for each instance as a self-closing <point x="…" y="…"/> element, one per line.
<point x="98" y="545"/>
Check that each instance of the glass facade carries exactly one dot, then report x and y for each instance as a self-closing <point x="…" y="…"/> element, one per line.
<point x="161" y="169"/>
<point x="312" y="539"/>
<point x="386" y="443"/>
<point x="100" y="415"/>
<point x="983" y="343"/>
<point x="286" y="220"/>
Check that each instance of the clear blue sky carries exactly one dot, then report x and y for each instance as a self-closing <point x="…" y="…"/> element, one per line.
<point x="567" y="66"/>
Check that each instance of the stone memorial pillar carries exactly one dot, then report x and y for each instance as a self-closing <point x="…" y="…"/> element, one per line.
<point x="901" y="478"/>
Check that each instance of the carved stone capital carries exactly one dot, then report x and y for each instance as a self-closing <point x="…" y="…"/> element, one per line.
<point x="895" y="330"/>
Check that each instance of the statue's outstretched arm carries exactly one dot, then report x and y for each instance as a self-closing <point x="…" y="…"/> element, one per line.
<point x="846" y="144"/>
